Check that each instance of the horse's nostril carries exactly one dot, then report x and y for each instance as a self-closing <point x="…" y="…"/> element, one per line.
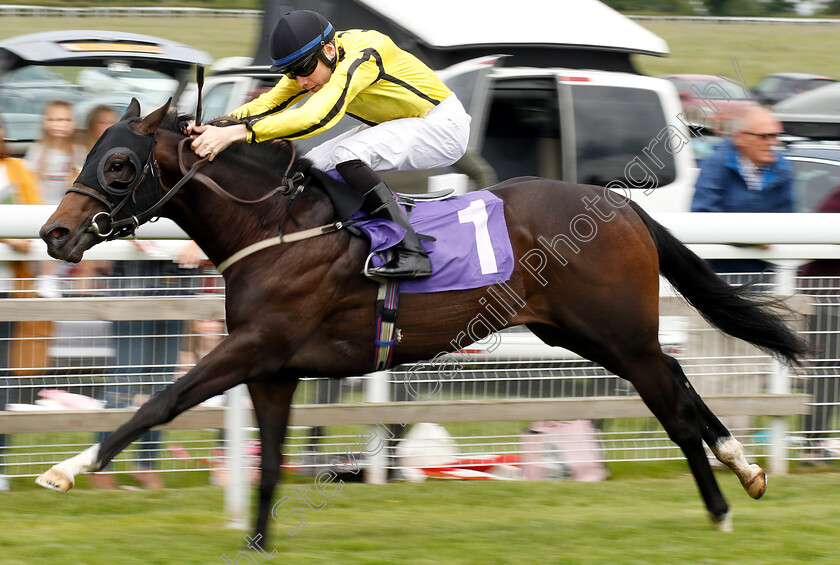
<point x="54" y="234"/>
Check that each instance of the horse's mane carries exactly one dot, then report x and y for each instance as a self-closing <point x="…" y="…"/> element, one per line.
<point x="267" y="156"/>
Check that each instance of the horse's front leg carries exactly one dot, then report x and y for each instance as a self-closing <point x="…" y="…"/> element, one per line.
<point x="228" y="365"/>
<point x="272" y="401"/>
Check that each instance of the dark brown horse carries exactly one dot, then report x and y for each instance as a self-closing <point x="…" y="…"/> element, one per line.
<point x="587" y="278"/>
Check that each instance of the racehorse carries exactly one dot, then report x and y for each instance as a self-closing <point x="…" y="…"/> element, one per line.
<point x="301" y="308"/>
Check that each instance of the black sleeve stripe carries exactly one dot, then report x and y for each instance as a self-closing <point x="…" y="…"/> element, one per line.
<point x="361" y="119"/>
<point x="333" y="112"/>
<point x="410" y="88"/>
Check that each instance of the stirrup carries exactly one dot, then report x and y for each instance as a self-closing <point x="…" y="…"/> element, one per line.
<point x="392" y="255"/>
<point x="369" y="265"/>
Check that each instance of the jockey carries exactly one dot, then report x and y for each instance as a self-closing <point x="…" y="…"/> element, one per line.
<point x="411" y="120"/>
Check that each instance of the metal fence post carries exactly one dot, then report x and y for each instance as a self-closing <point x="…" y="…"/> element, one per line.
<point x="236" y="489"/>
<point x="780" y="384"/>
<point x="376" y="390"/>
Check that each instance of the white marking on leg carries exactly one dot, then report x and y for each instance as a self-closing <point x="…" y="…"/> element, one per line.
<point x="730" y="452"/>
<point x="61" y="477"/>
<point x="81" y="463"/>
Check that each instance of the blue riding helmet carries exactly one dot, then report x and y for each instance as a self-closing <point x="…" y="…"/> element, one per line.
<point x="296" y="42"/>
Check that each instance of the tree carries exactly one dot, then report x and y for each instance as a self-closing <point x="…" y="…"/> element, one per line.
<point x="717" y="7"/>
<point x="663" y="6"/>
<point x="735" y="7"/>
<point x="772" y="7"/>
<point x="832" y="8"/>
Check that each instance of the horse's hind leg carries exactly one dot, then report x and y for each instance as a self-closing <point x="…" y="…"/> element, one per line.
<point x="726" y="448"/>
<point x="678" y="414"/>
<point x="272" y="404"/>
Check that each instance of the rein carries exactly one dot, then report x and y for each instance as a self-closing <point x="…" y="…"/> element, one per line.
<point x="294" y="184"/>
<point x="287" y="186"/>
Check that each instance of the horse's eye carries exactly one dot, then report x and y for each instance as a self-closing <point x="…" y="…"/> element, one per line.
<point x="117" y="166"/>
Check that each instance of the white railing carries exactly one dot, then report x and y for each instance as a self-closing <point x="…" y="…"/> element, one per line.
<point x="556" y="393"/>
<point x="26" y="10"/>
<point x="735" y="19"/>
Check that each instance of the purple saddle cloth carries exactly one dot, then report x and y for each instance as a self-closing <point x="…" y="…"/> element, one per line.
<point x="472" y="247"/>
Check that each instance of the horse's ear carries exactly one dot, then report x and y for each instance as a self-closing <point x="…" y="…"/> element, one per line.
<point x="152" y="122"/>
<point x="133" y="110"/>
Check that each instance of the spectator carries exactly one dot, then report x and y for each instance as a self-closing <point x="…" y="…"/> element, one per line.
<point x="746" y="174"/>
<point x="823" y="282"/>
<point x="100" y="118"/>
<point x="16" y="187"/>
<point x="56" y="161"/>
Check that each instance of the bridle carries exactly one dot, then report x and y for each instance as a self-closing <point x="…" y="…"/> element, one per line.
<point x="118" y="193"/>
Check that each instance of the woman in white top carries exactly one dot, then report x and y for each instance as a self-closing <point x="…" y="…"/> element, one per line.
<point x="56" y="160"/>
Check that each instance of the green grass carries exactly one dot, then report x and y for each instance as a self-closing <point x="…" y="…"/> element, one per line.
<point x="213" y="4"/>
<point x="618" y="521"/>
<point x="695" y="47"/>
<point x="759" y="49"/>
<point x="221" y="37"/>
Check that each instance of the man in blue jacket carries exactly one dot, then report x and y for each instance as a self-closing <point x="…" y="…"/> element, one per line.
<point x="746" y="174"/>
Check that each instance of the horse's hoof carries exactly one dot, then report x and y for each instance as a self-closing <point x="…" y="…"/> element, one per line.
<point x="722" y="523"/>
<point x="55" y="480"/>
<point x="757" y="484"/>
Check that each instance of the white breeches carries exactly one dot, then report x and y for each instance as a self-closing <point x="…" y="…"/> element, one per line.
<point x="408" y="144"/>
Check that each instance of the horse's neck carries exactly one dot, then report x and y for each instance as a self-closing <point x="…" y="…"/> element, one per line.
<point x="222" y="227"/>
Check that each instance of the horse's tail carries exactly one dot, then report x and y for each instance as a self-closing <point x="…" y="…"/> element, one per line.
<point x="737" y="310"/>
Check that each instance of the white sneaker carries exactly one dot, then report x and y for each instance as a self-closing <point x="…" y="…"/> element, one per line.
<point x="47" y="286"/>
<point x="4" y="483"/>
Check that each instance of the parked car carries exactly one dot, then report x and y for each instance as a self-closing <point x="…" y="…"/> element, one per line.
<point x="710" y="100"/>
<point x="86" y="68"/>
<point x="814" y="114"/>
<point x="817" y="171"/>
<point x="776" y="87"/>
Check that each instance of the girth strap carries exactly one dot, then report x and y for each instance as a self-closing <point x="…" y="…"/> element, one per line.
<point x="387" y="335"/>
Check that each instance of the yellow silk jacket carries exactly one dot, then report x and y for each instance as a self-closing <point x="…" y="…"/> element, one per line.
<point x="374" y="81"/>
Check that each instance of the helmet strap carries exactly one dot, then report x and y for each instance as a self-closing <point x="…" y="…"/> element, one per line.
<point x="331" y="63"/>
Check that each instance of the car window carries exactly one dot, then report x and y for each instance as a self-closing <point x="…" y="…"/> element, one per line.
<point x="25" y="92"/>
<point x="813" y="83"/>
<point x="717" y="90"/>
<point x="214" y="101"/>
<point x="523" y="129"/>
<point x="768" y="84"/>
<point x="814" y="179"/>
<point x="613" y="125"/>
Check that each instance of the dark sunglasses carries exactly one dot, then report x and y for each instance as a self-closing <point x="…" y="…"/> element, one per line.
<point x="764" y="136"/>
<point x="304" y="68"/>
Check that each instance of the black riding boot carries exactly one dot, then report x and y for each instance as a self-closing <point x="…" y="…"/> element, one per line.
<point x="411" y="261"/>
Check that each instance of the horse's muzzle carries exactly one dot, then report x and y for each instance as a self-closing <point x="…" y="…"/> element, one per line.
<point x="63" y="244"/>
<point x="55" y="236"/>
